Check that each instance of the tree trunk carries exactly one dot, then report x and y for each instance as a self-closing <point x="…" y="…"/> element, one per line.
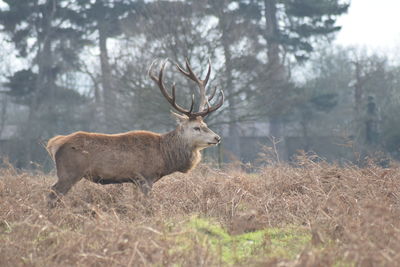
<point x="358" y="88"/>
<point x="304" y="128"/>
<point x="358" y="117"/>
<point x="271" y="36"/>
<point x="276" y="74"/>
<point x="109" y="98"/>
<point x="3" y="112"/>
<point x="234" y="133"/>
<point x="272" y="33"/>
<point x="42" y="101"/>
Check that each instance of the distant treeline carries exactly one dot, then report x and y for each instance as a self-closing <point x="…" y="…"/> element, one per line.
<point x="83" y="66"/>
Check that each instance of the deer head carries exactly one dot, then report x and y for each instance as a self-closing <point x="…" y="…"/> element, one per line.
<point x="191" y="124"/>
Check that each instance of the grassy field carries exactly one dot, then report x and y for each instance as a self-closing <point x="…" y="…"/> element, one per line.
<point x="310" y="214"/>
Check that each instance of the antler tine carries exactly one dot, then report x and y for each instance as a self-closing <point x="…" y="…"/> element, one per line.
<point x="184" y="111"/>
<point x="201" y="83"/>
<point x="192" y="105"/>
<point x="204" y="108"/>
<point x="205" y="81"/>
<point x="189" y="73"/>
<point x="221" y="102"/>
<point x="210" y="97"/>
<point x="163" y="90"/>
<point x="150" y="72"/>
<point x="181" y="70"/>
<point x="150" y="68"/>
<point x="210" y="109"/>
<point x="161" y="83"/>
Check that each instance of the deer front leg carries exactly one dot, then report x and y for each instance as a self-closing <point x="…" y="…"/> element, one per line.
<point x="144" y="184"/>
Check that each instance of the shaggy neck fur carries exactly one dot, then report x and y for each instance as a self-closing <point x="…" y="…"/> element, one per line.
<point x="178" y="154"/>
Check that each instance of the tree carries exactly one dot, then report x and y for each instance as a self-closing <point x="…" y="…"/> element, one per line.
<point x="234" y="30"/>
<point x="103" y="19"/>
<point x="360" y="94"/>
<point x="3" y="112"/>
<point x="46" y="32"/>
<point x="293" y="26"/>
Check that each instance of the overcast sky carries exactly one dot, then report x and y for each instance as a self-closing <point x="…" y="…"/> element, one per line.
<point x="369" y="23"/>
<point x="373" y="24"/>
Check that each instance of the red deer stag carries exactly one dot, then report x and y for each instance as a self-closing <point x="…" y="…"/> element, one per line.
<point x="139" y="157"/>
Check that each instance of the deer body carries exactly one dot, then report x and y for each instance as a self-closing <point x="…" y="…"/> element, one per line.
<point x="139" y="157"/>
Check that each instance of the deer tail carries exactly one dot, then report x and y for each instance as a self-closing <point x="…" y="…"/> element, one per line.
<point x="54" y="144"/>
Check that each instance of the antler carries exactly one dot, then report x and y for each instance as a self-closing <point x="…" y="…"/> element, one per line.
<point x="204" y="107"/>
<point x="161" y="85"/>
<point x="201" y="83"/>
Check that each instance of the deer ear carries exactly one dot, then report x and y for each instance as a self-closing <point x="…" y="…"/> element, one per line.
<point x="179" y="118"/>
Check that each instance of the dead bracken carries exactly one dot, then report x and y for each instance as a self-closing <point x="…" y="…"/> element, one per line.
<point x="339" y="215"/>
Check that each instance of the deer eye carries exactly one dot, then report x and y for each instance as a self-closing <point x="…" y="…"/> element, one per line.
<point x="196" y="129"/>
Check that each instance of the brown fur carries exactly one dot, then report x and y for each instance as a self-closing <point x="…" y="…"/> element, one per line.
<point x="140" y="157"/>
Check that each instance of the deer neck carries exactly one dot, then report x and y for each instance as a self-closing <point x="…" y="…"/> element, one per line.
<point x="178" y="154"/>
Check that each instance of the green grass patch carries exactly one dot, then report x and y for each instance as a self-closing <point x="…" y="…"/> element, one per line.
<point x="270" y="242"/>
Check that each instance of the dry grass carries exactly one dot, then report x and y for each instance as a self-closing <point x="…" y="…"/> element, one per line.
<point x="352" y="215"/>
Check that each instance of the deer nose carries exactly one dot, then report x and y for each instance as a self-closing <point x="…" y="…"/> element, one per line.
<point x="218" y="139"/>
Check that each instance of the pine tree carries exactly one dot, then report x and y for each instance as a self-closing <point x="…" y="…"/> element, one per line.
<point x="103" y="20"/>
<point x="47" y="34"/>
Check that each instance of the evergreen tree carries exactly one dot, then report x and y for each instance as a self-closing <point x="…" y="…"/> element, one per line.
<point x="236" y="28"/>
<point x="46" y="33"/>
<point x="103" y="20"/>
<point x="296" y="24"/>
<point x="293" y="27"/>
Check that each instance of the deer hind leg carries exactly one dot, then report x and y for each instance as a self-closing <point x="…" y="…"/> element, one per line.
<point x="61" y="187"/>
<point x="65" y="182"/>
<point x="144" y="184"/>
<point x="68" y="174"/>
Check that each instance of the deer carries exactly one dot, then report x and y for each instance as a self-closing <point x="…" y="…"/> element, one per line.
<point x="139" y="157"/>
